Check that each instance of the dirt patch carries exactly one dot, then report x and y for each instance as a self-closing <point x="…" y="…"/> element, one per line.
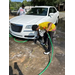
<point x="11" y="16"/>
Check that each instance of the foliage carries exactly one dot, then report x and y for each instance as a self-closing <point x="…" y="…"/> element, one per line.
<point x="59" y="1"/>
<point x="12" y="8"/>
<point x="46" y="2"/>
<point x="16" y="5"/>
<point x="27" y="3"/>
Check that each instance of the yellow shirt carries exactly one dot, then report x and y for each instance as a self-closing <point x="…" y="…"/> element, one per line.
<point x="45" y="24"/>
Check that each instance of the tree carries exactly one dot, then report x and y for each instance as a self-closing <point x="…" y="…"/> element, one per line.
<point x="57" y="2"/>
<point x="42" y="2"/>
<point x="24" y="2"/>
<point x="47" y="2"/>
<point x="9" y="3"/>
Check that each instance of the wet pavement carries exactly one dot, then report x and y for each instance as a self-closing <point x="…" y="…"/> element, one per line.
<point x="60" y="33"/>
<point x="28" y="58"/>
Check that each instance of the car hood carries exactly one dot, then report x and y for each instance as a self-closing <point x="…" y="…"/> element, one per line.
<point x="26" y="19"/>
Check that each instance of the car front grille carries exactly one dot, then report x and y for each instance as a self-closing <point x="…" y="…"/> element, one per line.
<point x="16" y="28"/>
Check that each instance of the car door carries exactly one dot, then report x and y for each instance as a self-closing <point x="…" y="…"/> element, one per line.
<point x="52" y="15"/>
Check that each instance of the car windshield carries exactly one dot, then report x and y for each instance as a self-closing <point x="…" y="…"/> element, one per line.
<point x="38" y="11"/>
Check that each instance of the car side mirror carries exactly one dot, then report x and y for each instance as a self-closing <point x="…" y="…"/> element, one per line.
<point x="51" y="14"/>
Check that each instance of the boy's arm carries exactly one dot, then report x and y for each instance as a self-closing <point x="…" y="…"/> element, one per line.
<point x="49" y="26"/>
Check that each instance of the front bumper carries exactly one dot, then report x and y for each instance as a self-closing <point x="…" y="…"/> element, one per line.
<point x="26" y="34"/>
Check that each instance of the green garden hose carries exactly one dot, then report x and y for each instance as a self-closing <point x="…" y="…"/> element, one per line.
<point x="51" y="56"/>
<point x="10" y="35"/>
<point x="20" y="41"/>
<point x="16" y="40"/>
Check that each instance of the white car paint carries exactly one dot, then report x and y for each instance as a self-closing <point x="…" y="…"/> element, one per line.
<point x="26" y="20"/>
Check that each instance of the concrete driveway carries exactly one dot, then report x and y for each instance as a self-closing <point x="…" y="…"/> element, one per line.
<point x="62" y="15"/>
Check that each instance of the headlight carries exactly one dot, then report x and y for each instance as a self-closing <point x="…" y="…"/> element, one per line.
<point x="28" y="27"/>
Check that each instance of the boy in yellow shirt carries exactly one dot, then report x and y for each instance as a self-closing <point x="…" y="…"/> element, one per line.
<point x="50" y="28"/>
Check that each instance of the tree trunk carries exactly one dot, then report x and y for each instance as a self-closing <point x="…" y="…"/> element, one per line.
<point x="59" y="7"/>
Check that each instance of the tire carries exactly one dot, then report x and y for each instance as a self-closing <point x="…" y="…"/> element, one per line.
<point x="35" y="40"/>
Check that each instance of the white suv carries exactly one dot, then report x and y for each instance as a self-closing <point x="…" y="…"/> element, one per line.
<point x="21" y="26"/>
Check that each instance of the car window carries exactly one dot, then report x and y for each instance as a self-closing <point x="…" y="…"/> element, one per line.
<point x="38" y="11"/>
<point x="52" y="10"/>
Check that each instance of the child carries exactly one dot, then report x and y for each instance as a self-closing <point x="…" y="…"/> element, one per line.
<point x="50" y="28"/>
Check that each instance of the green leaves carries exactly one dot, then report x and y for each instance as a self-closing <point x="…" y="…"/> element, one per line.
<point x="46" y="2"/>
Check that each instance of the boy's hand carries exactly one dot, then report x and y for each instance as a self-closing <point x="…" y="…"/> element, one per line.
<point x="47" y="30"/>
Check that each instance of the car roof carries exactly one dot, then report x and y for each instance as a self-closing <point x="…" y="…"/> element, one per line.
<point x="44" y="6"/>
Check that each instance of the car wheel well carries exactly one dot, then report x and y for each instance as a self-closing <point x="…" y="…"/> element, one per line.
<point x="57" y="21"/>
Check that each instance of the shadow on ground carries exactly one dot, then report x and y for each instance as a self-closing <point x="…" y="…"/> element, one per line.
<point x="15" y="67"/>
